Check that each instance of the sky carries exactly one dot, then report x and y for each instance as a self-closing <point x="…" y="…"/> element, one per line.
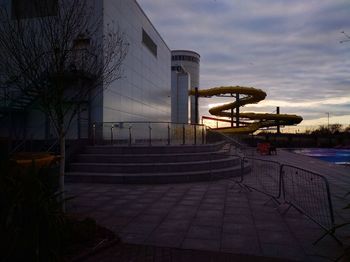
<point x="289" y="49"/>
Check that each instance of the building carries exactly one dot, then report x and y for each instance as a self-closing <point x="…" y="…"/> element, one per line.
<point x="142" y="94"/>
<point x="184" y="76"/>
<point x="180" y="101"/>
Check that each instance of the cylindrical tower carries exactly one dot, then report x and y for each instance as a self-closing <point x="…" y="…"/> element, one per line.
<point x="189" y="62"/>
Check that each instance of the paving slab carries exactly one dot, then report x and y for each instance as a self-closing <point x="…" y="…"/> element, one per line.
<point x="215" y="216"/>
<point x="137" y="252"/>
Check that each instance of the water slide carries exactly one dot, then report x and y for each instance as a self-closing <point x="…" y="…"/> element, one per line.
<point x="247" y="95"/>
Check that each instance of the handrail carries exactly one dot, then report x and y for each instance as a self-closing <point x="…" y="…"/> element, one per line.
<point x="234" y="141"/>
<point x="14" y="150"/>
<point x="238" y="145"/>
<point x="52" y="145"/>
<point x="24" y="140"/>
<point x="148" y="122"/>
<point x="138" y="132"/>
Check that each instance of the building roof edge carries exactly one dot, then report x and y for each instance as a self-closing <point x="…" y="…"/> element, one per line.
<point x="190" y="51"/>
<point x="138" y="5"/>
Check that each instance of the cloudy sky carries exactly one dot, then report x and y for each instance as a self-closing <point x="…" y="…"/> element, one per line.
<point x="290" y="49"/>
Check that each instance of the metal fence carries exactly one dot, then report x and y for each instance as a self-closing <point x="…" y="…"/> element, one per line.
<point x="309" y="193"/>
<point x="237" y="146"/>
<point x="306" y="191"/>
<point x="234" y="161"/>
<point x="265" y="177"/>
<point x="160" y="133"/>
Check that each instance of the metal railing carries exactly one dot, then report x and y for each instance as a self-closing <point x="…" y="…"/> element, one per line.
<point x="306" y="191"/>
<point x="148" y="133"/>
<point x="25" y="141"/>
<point x="309" y="193"/>
<point x="234" y="159"/>
<point x="265" y="177"/>
<point x="239" y="147"/>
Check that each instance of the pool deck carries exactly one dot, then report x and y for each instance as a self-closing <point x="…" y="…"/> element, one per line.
<point x="215" y="216"/>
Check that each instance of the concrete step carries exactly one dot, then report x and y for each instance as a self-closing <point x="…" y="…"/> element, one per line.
<point x="156" y="178"/>
<point x="142" y="149"/>
<point x="155" y="167"/>
<point x="149" y="158"/>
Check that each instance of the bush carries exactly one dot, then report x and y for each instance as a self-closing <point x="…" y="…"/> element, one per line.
<point x="76" y="233"/>
<point x="31" y="220"/>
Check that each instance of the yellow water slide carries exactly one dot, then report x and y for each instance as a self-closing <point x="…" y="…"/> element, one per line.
<point x="247" y="95"/>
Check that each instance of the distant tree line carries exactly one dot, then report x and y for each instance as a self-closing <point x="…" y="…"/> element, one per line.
<point x="331" y="129"/>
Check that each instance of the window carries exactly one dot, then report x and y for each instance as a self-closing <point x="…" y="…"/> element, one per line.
<point x="185" y="58"/>
<point x="22" y="9"/>
<point x="177" y="68"/>
<point x="149" y="43"/>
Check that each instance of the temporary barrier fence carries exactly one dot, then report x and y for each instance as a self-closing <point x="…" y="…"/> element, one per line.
<point x="238" y="180"/>
<point x="265" y="177"/>
<point x="240" y="172"/>
<point x="309" y="193"/>
<point x="233" y="160"/>
<point x="306" y="191"/>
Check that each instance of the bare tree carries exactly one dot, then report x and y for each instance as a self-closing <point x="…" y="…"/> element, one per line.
<point x="321" y="130"/>
<point x="335" y="128"/>
<point x="346" y="39"/>
<point x="61" y="52"/>
<point x="347" y="129"/>
<point x="328" y="129"/>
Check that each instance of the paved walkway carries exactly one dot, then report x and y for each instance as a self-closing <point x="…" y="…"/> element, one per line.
<point x="144" y="253"/>
<point x="212" y="216"/>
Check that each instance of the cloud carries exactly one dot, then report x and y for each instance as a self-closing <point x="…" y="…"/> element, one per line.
<point x="290" y="49"/>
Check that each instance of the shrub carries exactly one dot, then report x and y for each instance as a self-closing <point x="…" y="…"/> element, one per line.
<point x="31" y="220"/>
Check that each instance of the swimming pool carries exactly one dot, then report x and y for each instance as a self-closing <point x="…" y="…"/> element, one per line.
<point x="336" y="156"/>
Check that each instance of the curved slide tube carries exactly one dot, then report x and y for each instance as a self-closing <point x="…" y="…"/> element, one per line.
<point x="251" y="96"/>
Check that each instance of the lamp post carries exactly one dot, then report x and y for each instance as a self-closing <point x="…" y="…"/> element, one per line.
<point x="329" y="131"/>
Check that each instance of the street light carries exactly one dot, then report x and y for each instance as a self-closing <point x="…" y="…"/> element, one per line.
<point x="329" y="132"/>
<point x="328" y="119"/>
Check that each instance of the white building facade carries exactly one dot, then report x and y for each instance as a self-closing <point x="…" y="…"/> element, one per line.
<point x="154" y="86"/>
<point x="143" y="92"/>
<point x="180" y="101"/>
<point x="184" y="62"/>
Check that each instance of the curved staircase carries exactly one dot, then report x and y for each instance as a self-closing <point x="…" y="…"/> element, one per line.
<point x="153" y="164"/>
